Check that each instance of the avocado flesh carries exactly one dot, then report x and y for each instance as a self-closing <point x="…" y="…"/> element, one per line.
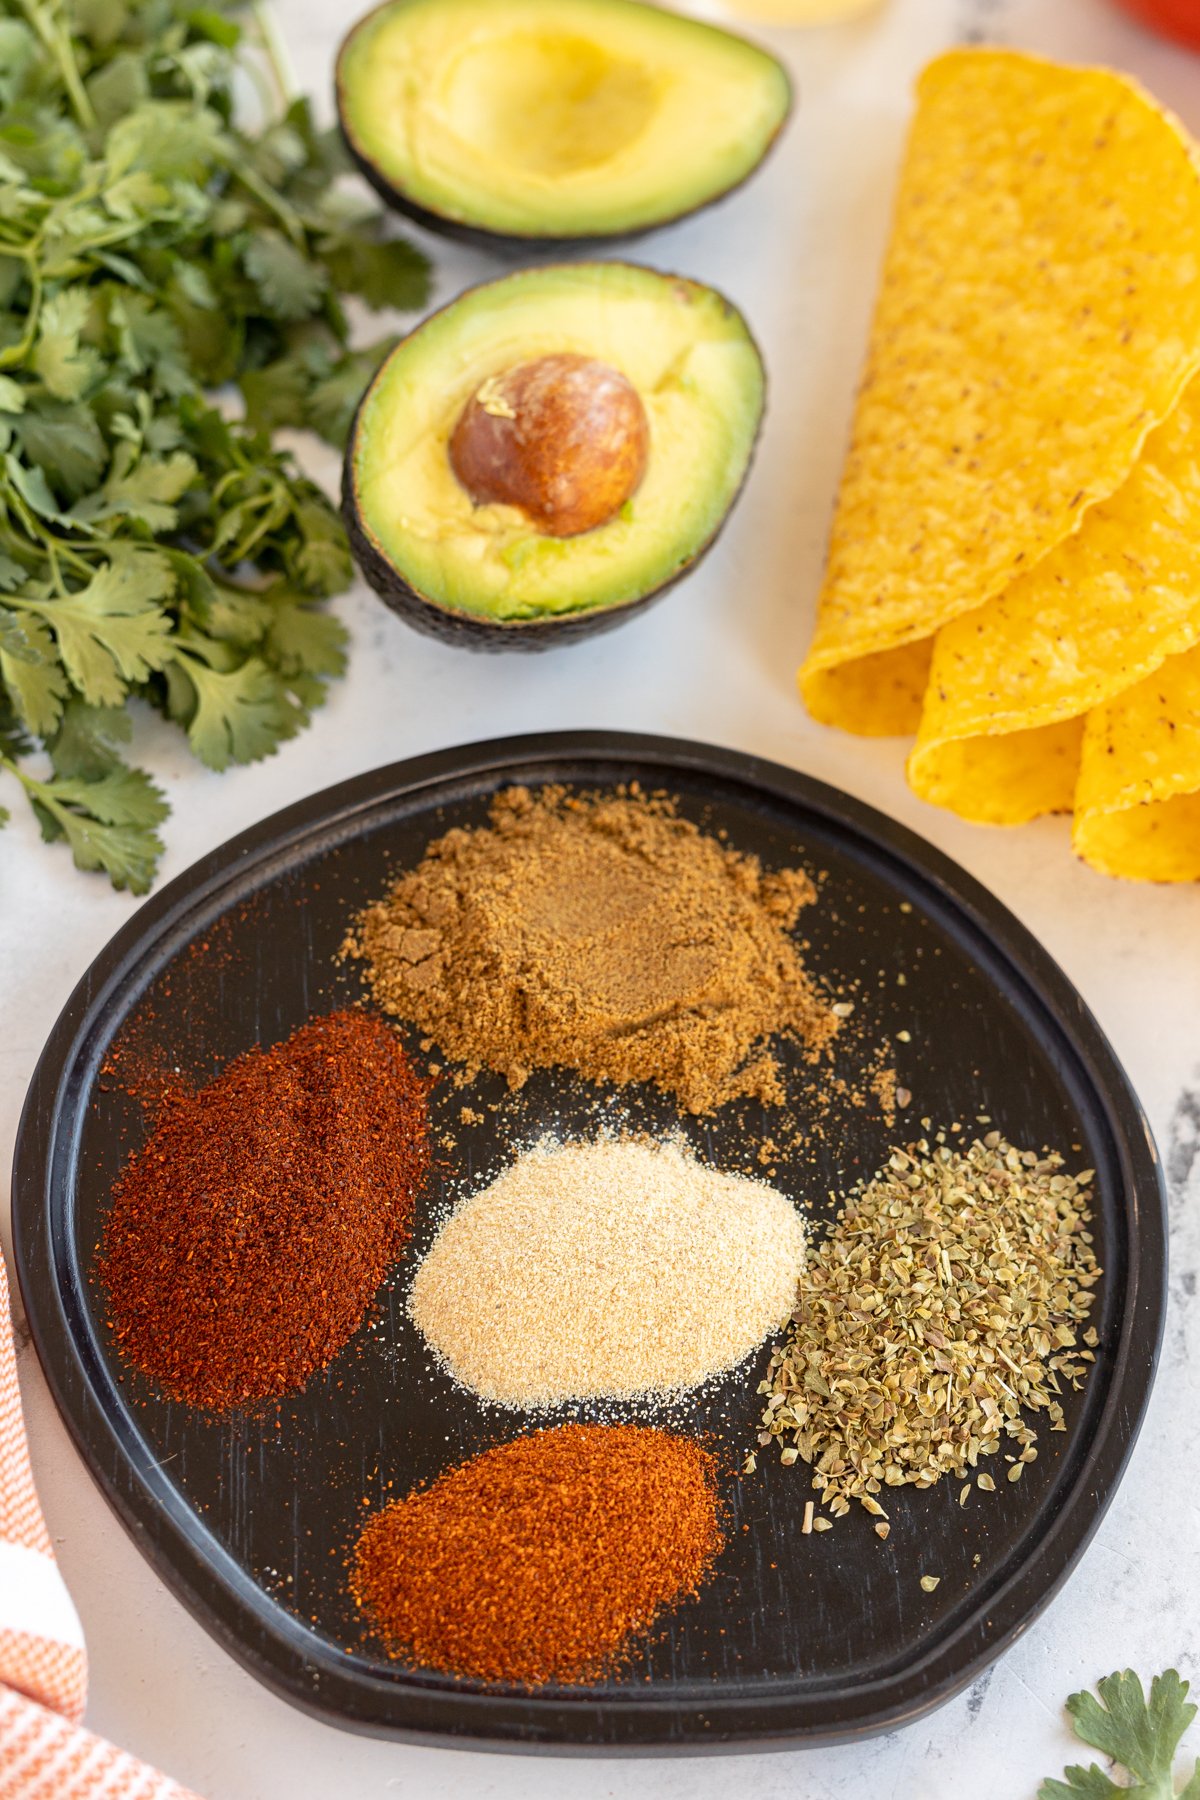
<point x="555" y="118"/>
<point x="700" y="379"/>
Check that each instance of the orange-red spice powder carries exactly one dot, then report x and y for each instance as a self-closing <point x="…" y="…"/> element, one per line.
<point x="247" y="1239"/>
<point x="539" y="1561"/>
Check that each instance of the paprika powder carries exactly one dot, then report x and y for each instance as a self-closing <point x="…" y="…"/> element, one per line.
<point x="248" y="1237"/>
<point x="540" y="1560"/>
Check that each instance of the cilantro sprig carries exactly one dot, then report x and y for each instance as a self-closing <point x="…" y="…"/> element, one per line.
<point x="153" y="249"/>
<point x="1141" y="1736"/>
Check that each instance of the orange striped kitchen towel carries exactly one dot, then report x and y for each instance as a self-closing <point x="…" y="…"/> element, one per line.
<point x="45" y="1753"/>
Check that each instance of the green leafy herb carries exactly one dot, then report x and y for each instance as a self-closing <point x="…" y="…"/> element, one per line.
<point x="1142" y="1736"/>
<point x="153" y="248"/>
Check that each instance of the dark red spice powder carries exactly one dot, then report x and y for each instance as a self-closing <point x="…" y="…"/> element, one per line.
<point x="540" y="1560"/>
<point x="248" y="1237"/>
<point x="180" y="1011"/>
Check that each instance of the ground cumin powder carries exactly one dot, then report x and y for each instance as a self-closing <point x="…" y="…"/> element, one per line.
<point x="603" y="933"/>
<point x="541" y="1559"/>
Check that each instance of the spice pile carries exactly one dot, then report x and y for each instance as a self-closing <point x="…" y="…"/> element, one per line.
<point x="604" y="934"/>
<point x="612" y="1269"/>
<point x="539" y="1560"/>
<point x="247" y="1238"/>
<point x="950" y="1295"/>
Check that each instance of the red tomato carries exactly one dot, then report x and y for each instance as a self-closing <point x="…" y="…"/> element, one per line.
<point x="1174" y="18"/>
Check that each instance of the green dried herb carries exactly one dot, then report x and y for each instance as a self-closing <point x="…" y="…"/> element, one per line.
<point x="942" y="1309"/>
<point x="152" y="250"/>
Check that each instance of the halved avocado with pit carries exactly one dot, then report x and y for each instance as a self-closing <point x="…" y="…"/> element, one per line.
<point x="549" y="120"/>
<point x="550" y="452"/>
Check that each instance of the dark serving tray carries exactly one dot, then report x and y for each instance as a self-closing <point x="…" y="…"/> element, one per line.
<point x="249" y="1519"/>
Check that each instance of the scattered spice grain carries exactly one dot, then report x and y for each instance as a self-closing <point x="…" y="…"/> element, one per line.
<point x="247" y="1238"/>
<point x="542" y="1559"/>
<point x="940" y="1310"/>
<point x="602" y="933"/>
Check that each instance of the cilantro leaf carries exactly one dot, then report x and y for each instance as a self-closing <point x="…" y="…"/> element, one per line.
<point x="113" y="632"/>
<point x="172" y="139"/>
<point x="239" y="715"/>
<point x="149" y="339"/>
<point x="102" y="20"/>
<point x="13" y="740"/>
<point x="334" y="399"/>
<point x="144" y="489"/>
<point x="117" y="87"/>
<point x="33" y="676"/>
<point x="303" y="641"/>
<point x="277" y="394"/>
<point x="321" y="562"/>
<point x="31" y="486"/>
<point x="89" y="740"/>
<point x="12" y="574"/>
<point x="387" y="272"/>
<point x="290" y="286"/>
<point x="66" y="443"/>
<point x="215" y="26"/>
<point x="233" y="617"/>
<point x="109" y="824"/>
<point x="66" y="366"/>
<point x="1141" y="1735"/>
<point x="18" y="49"/>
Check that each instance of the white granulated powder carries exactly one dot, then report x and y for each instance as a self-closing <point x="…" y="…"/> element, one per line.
<point x="607" y="1270"/>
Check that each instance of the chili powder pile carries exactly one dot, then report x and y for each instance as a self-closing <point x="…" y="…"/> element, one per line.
<point x="540" y="1560"/>
<point x="247" y="1239"/>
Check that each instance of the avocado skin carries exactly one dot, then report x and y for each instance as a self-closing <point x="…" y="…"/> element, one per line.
<point x="472" y="631"/>
<point x="478" y="237"/>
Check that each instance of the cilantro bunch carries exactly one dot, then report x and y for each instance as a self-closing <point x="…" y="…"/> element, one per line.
<point x="153" y="250"/>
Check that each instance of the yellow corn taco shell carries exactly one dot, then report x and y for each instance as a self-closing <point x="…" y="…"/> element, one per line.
<point x="1137" y="804"/>
<point x="1038" y="315"/>
<point x="1009" y="683"/>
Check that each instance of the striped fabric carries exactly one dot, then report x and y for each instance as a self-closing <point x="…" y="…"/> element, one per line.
<point x="45" y="1752"/>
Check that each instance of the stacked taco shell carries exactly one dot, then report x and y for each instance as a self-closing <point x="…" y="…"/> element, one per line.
<point x="1014" y="564"/>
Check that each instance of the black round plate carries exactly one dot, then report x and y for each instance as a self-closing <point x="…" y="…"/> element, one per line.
<point x="796" y="1637"/>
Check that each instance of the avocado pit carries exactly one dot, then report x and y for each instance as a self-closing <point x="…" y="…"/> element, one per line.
<point x="563" y="437"/>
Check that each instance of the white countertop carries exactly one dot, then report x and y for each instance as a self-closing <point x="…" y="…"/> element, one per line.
<point x="798" y="250"/>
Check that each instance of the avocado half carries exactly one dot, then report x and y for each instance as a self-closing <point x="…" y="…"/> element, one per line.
<point x="549" y="120"/>
<point x="484" y="576"/>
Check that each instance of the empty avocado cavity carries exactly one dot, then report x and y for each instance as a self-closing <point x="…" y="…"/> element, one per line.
<point x="554" y="119"/>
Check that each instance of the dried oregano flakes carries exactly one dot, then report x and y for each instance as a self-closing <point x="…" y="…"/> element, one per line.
<point x="948" y="1303"/>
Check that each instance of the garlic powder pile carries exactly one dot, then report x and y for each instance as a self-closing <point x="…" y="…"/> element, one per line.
<point x="607" y="1270"/>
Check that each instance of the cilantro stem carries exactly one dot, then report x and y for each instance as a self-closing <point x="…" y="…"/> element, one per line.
<point x="17" y="352"/>
<point x="33" y="789"/>
<point x="288" y="217"/>
<point x="55" y="567"/>
<point x="57" y="40"/>
<point x="276" y="55"/>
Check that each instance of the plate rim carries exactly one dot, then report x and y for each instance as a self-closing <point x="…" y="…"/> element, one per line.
<point x="386" y="1703"/>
